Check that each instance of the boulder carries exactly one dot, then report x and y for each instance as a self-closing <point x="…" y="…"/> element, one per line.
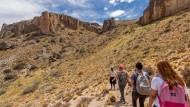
<point x="161" y="8"/>
<point x="6" y="45"/>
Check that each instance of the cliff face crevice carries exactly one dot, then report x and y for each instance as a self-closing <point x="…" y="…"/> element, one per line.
<point x="162" y="8"/>
<point x="46" y="24"/>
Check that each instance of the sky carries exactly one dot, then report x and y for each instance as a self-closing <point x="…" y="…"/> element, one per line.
<point x="12" y="11"/>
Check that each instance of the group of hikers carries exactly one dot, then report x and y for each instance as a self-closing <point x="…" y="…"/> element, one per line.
<point x="165" y="89"/>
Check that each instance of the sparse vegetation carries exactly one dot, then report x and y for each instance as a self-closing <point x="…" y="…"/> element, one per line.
<point x="31" y="88"/>
<point x="60" y="95"/>
<point x="111" y="99"/>
<point x="48" y="89"/>
<point x="55" y="73"/>
<point x="2" y="92"/>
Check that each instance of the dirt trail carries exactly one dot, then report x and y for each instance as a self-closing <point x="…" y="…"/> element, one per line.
<point x="128" y="98"/>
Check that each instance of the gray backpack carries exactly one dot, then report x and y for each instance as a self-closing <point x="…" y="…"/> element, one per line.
<point x="142" y="84"/>
<point x="123" y="78"/>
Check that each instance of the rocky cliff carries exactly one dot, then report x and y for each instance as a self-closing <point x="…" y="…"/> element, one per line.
<point x="161" y="8"/>
<point x="47" y="24"/>
<point x="108" y="25"/>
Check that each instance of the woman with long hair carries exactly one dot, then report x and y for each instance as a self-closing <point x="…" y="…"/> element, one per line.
<point x="168" y="88"/>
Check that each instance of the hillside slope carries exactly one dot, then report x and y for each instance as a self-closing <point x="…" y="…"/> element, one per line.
<point x="84" y="72"/>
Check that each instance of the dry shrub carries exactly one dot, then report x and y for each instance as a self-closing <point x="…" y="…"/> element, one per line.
<point x="31" y="89"/>
<point x="6" y="71"/>
<point x="19" y="66"/>
<point x="111" y="99"/>
<point x="10" y="77"/>
<point x="105" y="91"/>
<point x="84" y="101"/>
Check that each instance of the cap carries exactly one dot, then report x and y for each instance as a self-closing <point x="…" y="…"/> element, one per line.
<point x="121" y="67"/>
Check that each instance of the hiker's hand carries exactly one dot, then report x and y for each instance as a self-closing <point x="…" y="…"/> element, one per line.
<point x="113" y="80"/>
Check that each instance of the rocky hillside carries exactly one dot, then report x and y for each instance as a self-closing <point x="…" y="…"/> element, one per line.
<point x="68" y="66"/>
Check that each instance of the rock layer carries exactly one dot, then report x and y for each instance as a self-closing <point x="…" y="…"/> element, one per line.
<point x="162" y="8"/>
<point x="46" y="24"/>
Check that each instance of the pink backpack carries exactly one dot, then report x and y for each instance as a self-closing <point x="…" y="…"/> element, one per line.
<point x="172" y="98"/>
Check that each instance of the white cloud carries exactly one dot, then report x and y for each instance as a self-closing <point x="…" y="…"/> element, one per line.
<point x="94" y="21"/>
<point x="116" y="13"/>
<point x="105" y="8"/>
<point x="17" y="10"/>
<point x="113" y="2"/>
<point x="128" y="1"/>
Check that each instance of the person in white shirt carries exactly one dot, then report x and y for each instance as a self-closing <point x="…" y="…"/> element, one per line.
<point x="112" y="75"/>
<point x="165" y="73"/>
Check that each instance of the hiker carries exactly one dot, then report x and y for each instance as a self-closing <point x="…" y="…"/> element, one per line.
<point x="141" y="85"/>
<point x="163" y="88"/>
<point x="112" y="76"/>
<point x="122" y="81"/>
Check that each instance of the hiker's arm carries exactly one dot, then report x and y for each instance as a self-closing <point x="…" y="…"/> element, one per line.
<point x="152" y="97"/>
<point x="127" y="75"/>
<point x="132" y="80"/>
<point x="117" y="74"/>
<point x="187" y="98"/>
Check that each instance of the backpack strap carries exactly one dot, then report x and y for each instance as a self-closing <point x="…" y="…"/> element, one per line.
<point x="136" y="74"/>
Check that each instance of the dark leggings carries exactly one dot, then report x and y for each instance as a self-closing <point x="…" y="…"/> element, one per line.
<point x="121" y="89"/>
<point x="112" y="82"/>
<point x="135" y="96"/>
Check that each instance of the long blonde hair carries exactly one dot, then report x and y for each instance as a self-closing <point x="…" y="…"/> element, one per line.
<point x="169" y="75"/>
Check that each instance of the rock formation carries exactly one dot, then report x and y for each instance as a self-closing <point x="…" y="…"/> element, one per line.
<point x="46" y="24"/>
<point x="108" y="25"/>
<point x="7" y="45"/>
<point x="161" y="8"/>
